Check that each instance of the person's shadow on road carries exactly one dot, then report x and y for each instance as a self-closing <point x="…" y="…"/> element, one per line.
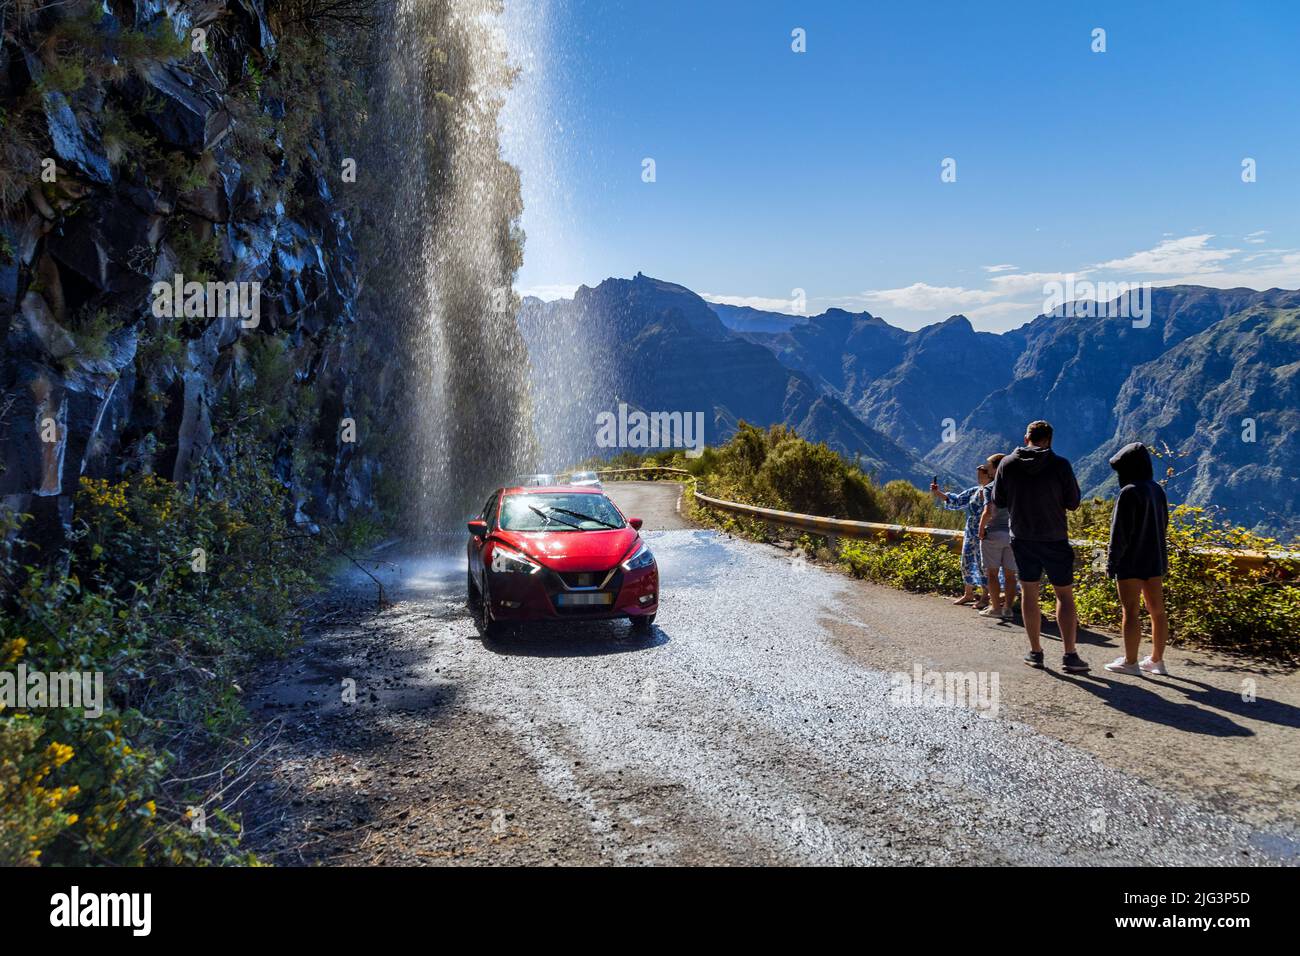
<point x="1269" y="711"/>
<point x="1148" y="705"/>
<point x="1050" y="628"/>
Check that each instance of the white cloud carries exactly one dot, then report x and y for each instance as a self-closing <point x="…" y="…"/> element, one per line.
<point x="763" y="303"/>
<point x="1280" y="269"/>
<point x="1008" y="295"/>
<point x="1186" y="255"/>
<point x="1029" y="281"/>
<point x="1256" y="237"/>
<point x="922" y="297"/>
<point x="1025" y="310"/>
<point x="548" y="293"/>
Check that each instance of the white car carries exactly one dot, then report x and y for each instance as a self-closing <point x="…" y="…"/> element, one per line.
<point x="585" y="479"/>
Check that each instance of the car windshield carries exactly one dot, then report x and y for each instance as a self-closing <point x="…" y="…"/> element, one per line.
<point x="583" y="476"/>
<point x="559" y="512"/>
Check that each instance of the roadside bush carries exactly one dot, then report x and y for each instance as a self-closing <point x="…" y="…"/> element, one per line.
<point x="906" y="504"/>
<point x="914" y="564"/>
<point x="172" y="596"/>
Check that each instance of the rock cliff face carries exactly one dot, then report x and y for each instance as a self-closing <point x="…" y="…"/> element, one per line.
<point x="149" y="140"/>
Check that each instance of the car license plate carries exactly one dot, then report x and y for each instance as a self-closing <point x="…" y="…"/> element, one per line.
<point x="582" y="600"/>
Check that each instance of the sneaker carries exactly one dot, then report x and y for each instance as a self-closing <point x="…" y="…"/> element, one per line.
<point x="1034" y="658"/>
<point x="1074" y="664"/>
<point x="1008" y="614"/>
<point x="1152" y="667"/>
<point x="1121" y="666"/>
<point x="991" y="611"/>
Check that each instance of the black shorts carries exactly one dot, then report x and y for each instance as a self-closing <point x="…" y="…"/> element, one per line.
<point x="1035" y="557"/>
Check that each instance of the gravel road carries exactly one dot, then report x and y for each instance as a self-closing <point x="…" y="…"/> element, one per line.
<point x="739" y="732"/>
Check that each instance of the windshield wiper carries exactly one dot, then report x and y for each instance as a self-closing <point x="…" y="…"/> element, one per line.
<point x="583" y="517"/>
<point x="546" y="516"/>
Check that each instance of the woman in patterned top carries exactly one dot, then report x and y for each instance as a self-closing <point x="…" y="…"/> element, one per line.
<point x="970" y="501"/>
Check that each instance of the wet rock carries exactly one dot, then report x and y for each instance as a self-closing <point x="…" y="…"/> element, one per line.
<point x="35" y="432"/>
<point x="208" y="201"/>
<point x="101" y="245"/>
<point x="35" y="333"/>
<point x="188" y="115"/>
<point x="74" y="143"/>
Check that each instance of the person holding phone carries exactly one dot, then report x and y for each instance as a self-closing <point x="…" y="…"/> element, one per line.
<point x="970" y="501"/>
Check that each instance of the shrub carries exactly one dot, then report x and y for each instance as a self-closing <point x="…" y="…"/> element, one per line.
<point x="914" y="564"/>
<point x="31" y="814"/>
<point x="906" y="504"/>
<point x="171" y="628"/>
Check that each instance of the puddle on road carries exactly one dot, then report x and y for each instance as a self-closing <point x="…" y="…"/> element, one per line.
<point x="411" y="576"/>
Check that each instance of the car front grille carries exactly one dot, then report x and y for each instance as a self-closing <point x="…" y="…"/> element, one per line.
<point x="583" y="579"/>
<point x="584" y="582"/>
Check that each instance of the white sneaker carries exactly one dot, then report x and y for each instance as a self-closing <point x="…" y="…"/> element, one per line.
<point x="1120" y="666"/>
<point x="990" y="611"/>
<point x="1153" y="667"/>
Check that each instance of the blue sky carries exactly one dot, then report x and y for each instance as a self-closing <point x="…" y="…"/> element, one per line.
<point x="820" y="171"/>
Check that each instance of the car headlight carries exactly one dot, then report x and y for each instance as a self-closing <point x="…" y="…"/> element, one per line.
<point x="509" y="561"/>
<point x="641" y="558"/>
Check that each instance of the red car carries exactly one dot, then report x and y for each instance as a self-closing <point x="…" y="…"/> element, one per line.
<point x="559" y="553"/>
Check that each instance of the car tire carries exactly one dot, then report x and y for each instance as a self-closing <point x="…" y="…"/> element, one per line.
<point x="472" y="597"/>
<point x="643" y="624"/>
<point x="487" y="627"/>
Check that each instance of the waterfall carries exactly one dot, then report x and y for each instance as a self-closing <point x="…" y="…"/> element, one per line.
<point x="455" y="246"/>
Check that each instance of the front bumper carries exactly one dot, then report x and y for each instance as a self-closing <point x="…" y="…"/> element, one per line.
<point x="537" y="597"/>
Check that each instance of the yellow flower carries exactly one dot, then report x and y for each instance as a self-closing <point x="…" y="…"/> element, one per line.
<point x="13" y="650"/>
<point x="58" y="754"/>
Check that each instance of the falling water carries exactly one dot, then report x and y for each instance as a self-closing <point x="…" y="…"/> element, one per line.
<point x="454" y="237"/>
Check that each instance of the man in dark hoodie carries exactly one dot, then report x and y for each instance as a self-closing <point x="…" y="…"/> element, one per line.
<point x="1038" y="487"/>
<point x="1138" y="558"/>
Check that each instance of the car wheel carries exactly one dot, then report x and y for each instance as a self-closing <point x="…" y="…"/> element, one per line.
<point x="472" y="597"/>
<point x="487" y="627"/>
<point x="642" y="624"/>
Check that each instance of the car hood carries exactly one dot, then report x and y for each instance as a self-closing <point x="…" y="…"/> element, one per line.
<point x="572" y="550"/>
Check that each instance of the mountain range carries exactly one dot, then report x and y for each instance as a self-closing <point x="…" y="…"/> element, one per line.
<point x="1212" y="383"/>
<point x="658" y="347"/>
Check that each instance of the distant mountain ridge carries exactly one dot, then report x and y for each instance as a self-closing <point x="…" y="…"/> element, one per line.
<point x="1209" y="360"/>
<point x="659" y="347"/>
<point x="744" y="318"/>
<point x="941" y="398"/>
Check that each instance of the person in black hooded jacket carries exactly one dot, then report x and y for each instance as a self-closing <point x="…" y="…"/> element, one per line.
<point x="1138" y="558"/>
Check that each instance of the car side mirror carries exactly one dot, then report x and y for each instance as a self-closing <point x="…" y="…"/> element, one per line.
<point x="478" y="528"/>
<point x="635" y="523"/>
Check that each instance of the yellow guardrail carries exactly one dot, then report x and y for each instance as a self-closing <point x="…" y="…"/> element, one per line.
<point x="873" y="530"/>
